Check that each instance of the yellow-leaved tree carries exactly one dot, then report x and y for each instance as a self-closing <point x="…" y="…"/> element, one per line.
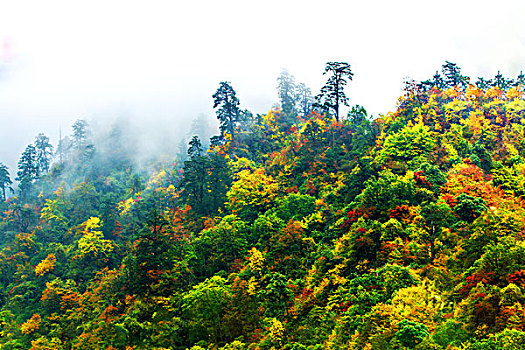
<point x="252" y="193"/>
<point x="46" y="265"/>
<point x="92" y="247"/>
<point x="31" y="325"/>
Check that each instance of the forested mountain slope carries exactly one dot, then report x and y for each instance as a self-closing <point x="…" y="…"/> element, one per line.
<point x="293" y="230"/>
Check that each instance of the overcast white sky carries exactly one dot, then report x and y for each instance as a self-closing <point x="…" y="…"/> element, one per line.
<point x="160" y="61"/>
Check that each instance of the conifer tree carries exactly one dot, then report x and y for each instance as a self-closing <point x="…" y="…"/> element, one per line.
<point x="44" y="152"/>
<point x="195" y="150"/>
<point x="80" y="134"/>
<point x="195" y="175"/>
<point x="200" y="126"/>
<point x="27" y="169"/>
<point x="332" y="93"/>
<point x="482" y="83"/>
<point x="81" y="143"/>
<point x="520" y="80"/>
<point x="228" y="113"/>
<point x="453" y="77"/>
<point x="286" y="89"/>
<point x="304" y="99"/>
<point x="501" y="82"/>
<point x="5" y="180"/>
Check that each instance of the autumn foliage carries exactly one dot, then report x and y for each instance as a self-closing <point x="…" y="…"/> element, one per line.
<point x="290" y="231"/>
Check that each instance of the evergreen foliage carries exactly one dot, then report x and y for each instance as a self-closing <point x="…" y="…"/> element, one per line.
<point x="332" y="93"/>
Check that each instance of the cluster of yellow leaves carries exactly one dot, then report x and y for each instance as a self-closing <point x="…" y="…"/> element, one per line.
<point x="252" y="189"/>
<point x="269" y="125"/>
<point x="335" y="274"/>
<point x="52" y="212"/>
<point x="91" y="224"/>
<point x="276" y="331"/>
<point x="24" y="241"/>
<point x="92" y="243"/>
<point x="421" y="303"/>
<point x="43" y="343"/>
<point x="61" y="293"/>
<point x="125" y="205"/>
<point x="256" y="259"/>
<point x="157" y="179"/>
<point x="46" y="265"/>
<point x="31" y="325"/>
<point x="252" y="285"/>
<point x="241" y="164"/>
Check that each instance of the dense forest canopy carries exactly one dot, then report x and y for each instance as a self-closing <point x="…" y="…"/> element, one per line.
<point x="303" y="228"/>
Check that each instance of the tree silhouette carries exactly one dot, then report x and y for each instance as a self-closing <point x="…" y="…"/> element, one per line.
<point x="27" y="169"/>
<point x="5" y="180"/>
<point x="286" y="91"/>
<point x="44" y="152"/>
<point x="229" y="114"/>
<point x="332" y="93"/>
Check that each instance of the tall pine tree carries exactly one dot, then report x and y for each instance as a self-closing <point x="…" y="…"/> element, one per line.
<point x="44" y="153"/>
<point x="286" y="90"/>
<point x="27" y="170"/>
<point x="5" y="180"/>
<point x="332" y="93"/>
<point x="228" y="113"/>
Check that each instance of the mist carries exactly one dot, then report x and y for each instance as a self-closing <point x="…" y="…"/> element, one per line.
<point x="156" y="65"/>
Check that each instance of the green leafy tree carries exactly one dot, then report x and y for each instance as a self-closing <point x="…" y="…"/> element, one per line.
<point x="204" y="307"/>
<point x="520" y="80"/>
<point x="194" y="181"/>
<point x="385" y="192"/>
<point x="195" y="150"/>
<point x="436" y="81"/>
<point x="332" y="93"/>
<point x="80" y="133"/>
<point x="295" y="207"/>
<point x="410" y="142"/>
<point x="219" y="246"/>
<point x="54" y="213"/>
<point x="363" y="133"/>
<point x="276" y="296"/>
<point x="435" y="216"/>
<point x="450" y="333"/>
<point x="431" y="177"/>
<point x="219" y="180"/>
<point x="485" y="160"/>
<point x="411" y="333"/>
<point x="482" y="83"/>
<point x="64" y="148"/>
<point x="468" y="208"/>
